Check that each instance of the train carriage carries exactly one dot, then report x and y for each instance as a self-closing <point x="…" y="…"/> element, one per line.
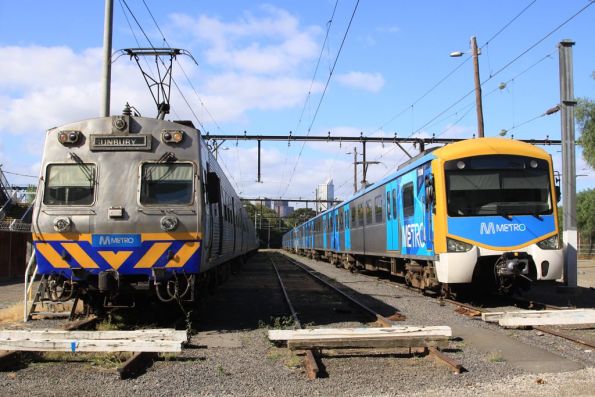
<point x="131" y="205"/>
<point x="478" y="211"/>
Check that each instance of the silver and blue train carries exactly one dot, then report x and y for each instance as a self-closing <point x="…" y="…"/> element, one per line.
<point x="130" y="206"/>
<point x="476" y="212"/>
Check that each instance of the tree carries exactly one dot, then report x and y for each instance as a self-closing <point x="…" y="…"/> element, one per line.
<point x="585" y="215"/>
<point x="299" y="216"/>
<point x="585" y="119"/>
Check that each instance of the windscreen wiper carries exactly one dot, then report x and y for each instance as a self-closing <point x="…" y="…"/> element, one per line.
<point x="84" y="167"/>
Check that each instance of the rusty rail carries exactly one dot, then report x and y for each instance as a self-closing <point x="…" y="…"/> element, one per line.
<point x="310" y="363"/>
<point x="380" y="318"/>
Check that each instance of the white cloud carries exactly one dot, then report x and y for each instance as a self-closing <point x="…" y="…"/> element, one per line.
<point x="372" y="82"/>
<point x="271" y="43"/>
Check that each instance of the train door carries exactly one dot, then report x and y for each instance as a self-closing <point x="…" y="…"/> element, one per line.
<point x="336" y="243"/>
<point x="392" y="216"/>
<point x="347" y="223"/>
<point x="233" y="222"/>
<point x="427" y="190"/>
<point x="324" y="230"/>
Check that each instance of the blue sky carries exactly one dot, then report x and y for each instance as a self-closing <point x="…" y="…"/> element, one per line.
<point x="256" y="61"/>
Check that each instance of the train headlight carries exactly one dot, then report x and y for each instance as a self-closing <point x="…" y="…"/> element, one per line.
<point x="169" y="223"/>
<point x="62" y="224"/>
<point x="172" y="136"/>
<point x="69" y="137"/>
<point x="453" y="245"/>
<point x="550" y="243"/>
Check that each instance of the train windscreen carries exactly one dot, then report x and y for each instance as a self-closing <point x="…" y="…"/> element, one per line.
<point x="498" y="185"/>
<point x="169" y="183"/>
<point x="69" y="184"/>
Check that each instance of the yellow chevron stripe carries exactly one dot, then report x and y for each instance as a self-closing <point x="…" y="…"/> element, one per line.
<point x="80" y="255"/>
<point x="171" y="236"/>
<point x="182" y="256"/>
<point x="62" y="237"/>
<point x="152" y="255"/>
<point x="115" y="259"/>
<point x="51" y="255"/>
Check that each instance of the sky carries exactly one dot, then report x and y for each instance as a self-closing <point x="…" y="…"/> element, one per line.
<point x="375" y="67"/>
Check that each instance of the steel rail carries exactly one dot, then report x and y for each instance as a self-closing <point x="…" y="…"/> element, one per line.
<point x="380" y="318"/>
<point x="310" y="363"/>
<point x="543" y="329"/>
<point x="456" y="367"/>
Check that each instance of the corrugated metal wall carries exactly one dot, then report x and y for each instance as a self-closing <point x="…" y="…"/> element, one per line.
<point x="13" y="254"/>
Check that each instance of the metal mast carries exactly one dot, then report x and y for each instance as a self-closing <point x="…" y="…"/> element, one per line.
<point x="106" y="75"/>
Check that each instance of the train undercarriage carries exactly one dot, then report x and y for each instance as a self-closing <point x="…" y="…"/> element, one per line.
<point x="110" y="290"/>
<point x="502" y="274"/>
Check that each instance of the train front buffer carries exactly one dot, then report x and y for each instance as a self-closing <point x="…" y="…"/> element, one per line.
<point x="117" y="264"/>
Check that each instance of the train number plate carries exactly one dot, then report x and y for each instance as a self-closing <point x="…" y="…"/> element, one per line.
<point x="116" y="240"/>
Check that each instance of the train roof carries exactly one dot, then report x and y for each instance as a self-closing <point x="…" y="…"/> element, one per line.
<point x="489" y="146"/>
<point x="466" y="148"/>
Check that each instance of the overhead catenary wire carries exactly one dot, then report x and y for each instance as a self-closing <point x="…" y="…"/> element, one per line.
<point x="182" y="68"/>
<point x="508" y="64"/>
<point x="323" y="94"/>
<point x="153" y="47"/>
<point x="307" y="100"/>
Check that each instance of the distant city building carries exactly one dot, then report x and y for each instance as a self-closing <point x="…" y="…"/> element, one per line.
<point x="325" y="191"/>
<point x="282" y="208"/>
<point x="265" y="202"/>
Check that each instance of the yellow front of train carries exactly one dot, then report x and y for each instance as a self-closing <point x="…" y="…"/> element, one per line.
<point x="495" y="214"/>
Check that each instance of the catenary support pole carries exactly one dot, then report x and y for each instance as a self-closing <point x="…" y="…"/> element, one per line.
<point x="567" y="104"/>
<point x="106" y="76"/>
<point x="478" y="102"/>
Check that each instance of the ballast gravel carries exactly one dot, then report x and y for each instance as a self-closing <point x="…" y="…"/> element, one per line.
<point x="231" y="355"/>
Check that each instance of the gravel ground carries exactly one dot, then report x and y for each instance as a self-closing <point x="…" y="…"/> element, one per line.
<point x="230" y="354"/>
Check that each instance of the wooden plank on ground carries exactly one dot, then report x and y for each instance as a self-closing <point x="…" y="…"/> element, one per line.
<point x="90" y="345"/>
<point x="368" y="342"/>
<point x="136" y="365"/>
<point x="165" y="334"/>
<point x="354" y="333"/>
<point x="547" y="317"/>
<point x="491" y="317"/>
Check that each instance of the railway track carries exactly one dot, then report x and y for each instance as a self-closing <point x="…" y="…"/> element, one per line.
<point x="475" y="310"/>
<point x="311" y="359"/>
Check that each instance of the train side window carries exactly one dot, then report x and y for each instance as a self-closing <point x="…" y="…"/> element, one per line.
<point x="360" y="214"/>
<point x="378" y="209"/>
<point x="353" y="216"/>
<point x="166" y="183"/>
<point x="69" y="184"/>
<point x="388" y="206"/>
<point x="408" y="207"/>
<point x="368" y="212"/>
<point x="395" y="204"/>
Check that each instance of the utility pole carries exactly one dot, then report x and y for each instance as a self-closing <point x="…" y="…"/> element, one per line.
<point x="478" y="102"/>
<point x="107" y="59"/>
<point x="567" y="103"/>
<point x="354" y="170"/>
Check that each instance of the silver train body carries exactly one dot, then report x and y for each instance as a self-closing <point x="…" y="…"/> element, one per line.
<point x="130" y="205"/>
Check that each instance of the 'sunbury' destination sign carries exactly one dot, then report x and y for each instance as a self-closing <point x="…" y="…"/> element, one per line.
<point x="127" y="142"/>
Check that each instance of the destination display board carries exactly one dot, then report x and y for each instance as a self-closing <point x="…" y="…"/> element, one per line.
<point x="120" y="143"/>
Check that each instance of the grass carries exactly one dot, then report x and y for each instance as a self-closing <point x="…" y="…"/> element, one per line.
<point x="12" y="313"/>
<point x="288" y="357"/>
<point x="221" y="371"/>
<point x="281" y="322"/>
<point x="102" y="360"/>
<point x="495" y="357"/>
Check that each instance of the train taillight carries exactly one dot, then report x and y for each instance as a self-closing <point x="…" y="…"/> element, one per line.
<point x="69" y="137"/>
<point x="169" y="136"/>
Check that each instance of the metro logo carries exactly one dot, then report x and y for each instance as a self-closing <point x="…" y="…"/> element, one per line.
<point x="116" y="240"/>
<point x="414" y="235"/>
<point x="491" y="228"/>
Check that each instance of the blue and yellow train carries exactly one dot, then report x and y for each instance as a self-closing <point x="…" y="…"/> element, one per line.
<point x="481" y="211"/>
